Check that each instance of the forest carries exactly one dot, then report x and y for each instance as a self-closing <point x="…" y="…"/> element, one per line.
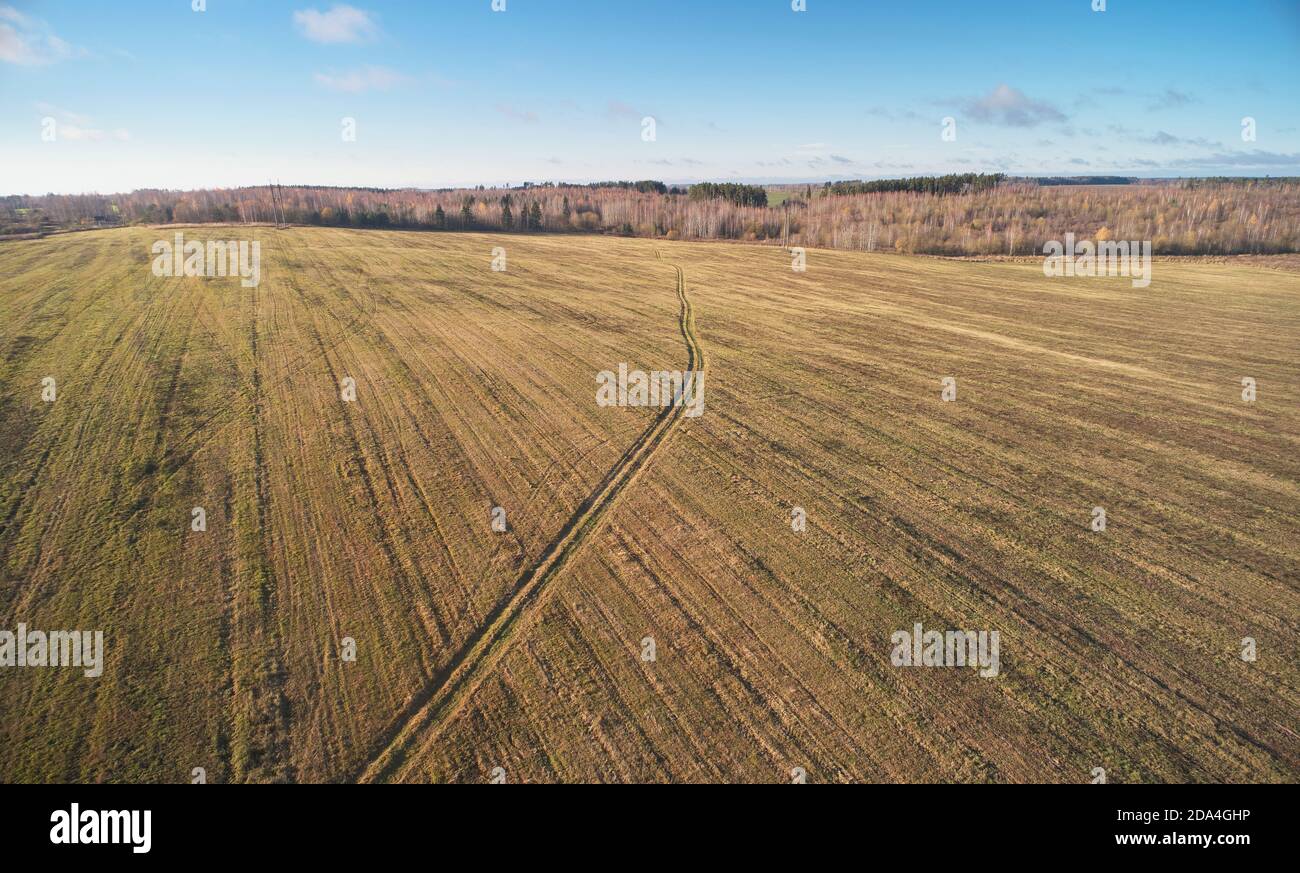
<point x="961" y="214"/>
<point x="952" y="183"/>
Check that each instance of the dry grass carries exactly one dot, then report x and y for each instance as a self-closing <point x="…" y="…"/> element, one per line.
<point x="476" y="389"/>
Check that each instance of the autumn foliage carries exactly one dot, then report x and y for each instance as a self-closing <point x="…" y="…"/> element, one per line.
<point x="1229" y="216"/>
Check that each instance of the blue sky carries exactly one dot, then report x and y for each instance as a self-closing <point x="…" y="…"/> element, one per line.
<point x="449" y="92"/>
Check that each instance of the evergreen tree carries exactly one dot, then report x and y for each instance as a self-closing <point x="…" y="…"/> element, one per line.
<point x="507" y="217"/>
<point x="741" y="195"/>
<point x="535" y="216"/>
<point x="952" y="183"/>
<point x="565" y="212"/>
<point x="439" y="218"/>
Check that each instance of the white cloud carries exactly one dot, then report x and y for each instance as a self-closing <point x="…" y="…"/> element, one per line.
<point x="28" y="42"/>
<point x="1012" y="108"/>
<point x="74" y="126"/>
<point x="63" y="114"/>
<point x="364" y="79"/>
<point x="76" y="132"/>
<point x="340" y="24"/>
<point x="524" y="115"/>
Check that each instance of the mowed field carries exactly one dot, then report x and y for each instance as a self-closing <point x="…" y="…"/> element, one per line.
<point x="523" y="650"/>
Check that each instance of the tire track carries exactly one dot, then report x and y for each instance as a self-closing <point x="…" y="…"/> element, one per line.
<point x="263" y="749"/>
<point x="443" y="696"/>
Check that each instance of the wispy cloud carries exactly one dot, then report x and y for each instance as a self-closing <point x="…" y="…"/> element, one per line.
<point x="1243" y="160"/>
<point x="619" y="109"/>
<point x="29" y="42"/>
<point x="340" y="24"/>
<point x="1010" y="107"/>
<point x="62" y="114"/>
<point x="893" y="114"/>
<point x="1160" y="137"/>
<point x="74" y="126"/>
<point x="1171" y="99"/>
<point x="364" y="79"/>
<point x="72" y="131"/>
<point x="670" y="162"/>
<point x="524" y="115"/>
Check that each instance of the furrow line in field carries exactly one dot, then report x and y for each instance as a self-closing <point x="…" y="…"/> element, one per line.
<point x="265" y="752"/>
<point x="440" y="698"/>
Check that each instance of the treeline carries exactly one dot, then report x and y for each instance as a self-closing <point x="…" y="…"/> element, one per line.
<point x="953" y="183"/>
<point x="1262" y="182"/>
<point x="1083" y="180"/>
<point x="645" y="186"/>
<point x="1229" y="216"/>
<point x="740" y="195"/>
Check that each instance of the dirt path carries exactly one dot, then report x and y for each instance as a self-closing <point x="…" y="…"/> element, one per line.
<point x="451" y="687"/>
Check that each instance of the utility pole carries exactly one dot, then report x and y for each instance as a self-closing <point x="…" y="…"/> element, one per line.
<point x="277" y="205"/>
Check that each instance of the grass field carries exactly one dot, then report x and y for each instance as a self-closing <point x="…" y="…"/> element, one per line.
<point x="523" y="649"/>
<point x="777" y="196"/>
